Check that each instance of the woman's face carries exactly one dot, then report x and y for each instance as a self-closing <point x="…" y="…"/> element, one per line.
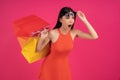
<point x="67" y="20"/>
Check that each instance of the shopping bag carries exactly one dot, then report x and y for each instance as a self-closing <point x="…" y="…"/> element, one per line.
<point x="29" y="50"/>
<point x="25" y="26"/>
<point x="24" y="29"/>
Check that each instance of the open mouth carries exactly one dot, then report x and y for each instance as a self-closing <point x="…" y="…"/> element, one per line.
<point x="69" y="25"/>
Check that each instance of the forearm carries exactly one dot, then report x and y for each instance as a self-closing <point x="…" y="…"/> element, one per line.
<point x="42" y="42"/>
<point x="90" y="29"/>
<point x="39" y="46"/>
<point x="92" y="33"/>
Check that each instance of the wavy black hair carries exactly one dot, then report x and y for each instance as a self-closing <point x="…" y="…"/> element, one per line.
<point x="62" y="12"/>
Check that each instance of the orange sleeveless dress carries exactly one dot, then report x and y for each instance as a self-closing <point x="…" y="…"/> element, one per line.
<point x="56" y="64"/>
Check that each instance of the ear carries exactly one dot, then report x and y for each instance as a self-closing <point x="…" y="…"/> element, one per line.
<point x="60" y="19"/>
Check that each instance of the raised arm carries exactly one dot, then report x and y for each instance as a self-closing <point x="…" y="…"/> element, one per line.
<point x="92" y="33"/>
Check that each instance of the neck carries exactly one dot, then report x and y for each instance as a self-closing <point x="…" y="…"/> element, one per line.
<point x="64" y="30"/>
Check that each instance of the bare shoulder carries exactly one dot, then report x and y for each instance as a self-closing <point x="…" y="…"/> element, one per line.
<point x="74" y="31"/>
<point x="53" y="31"/>
<point x="53" y="34"/>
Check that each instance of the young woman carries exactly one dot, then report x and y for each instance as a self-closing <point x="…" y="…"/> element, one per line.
<point x="56" y="64"/>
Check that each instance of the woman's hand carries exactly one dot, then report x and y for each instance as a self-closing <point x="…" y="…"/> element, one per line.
<point x="81" y="15"/>
<point x="41" y="33"/>
<point x="44" y="33"/>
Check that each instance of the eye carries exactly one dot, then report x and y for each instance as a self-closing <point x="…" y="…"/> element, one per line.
<point x="67" y="15"/>
<point x="73" y="17"/>
<point x="72" y="14"/>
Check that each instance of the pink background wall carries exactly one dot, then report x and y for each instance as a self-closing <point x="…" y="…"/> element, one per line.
<point x="89" y="59"/>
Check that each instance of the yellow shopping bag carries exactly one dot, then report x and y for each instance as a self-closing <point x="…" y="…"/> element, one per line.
<point x="29" y="48"/>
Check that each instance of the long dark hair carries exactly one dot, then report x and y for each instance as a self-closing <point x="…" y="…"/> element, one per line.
<point x="63" y="11"/>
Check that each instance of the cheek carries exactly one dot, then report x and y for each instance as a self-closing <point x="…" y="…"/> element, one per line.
<point x="73" y="21"/>
<point x="64" y="21"/>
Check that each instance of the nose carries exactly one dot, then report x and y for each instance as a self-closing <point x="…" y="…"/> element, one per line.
<point x="71" y="20"/>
